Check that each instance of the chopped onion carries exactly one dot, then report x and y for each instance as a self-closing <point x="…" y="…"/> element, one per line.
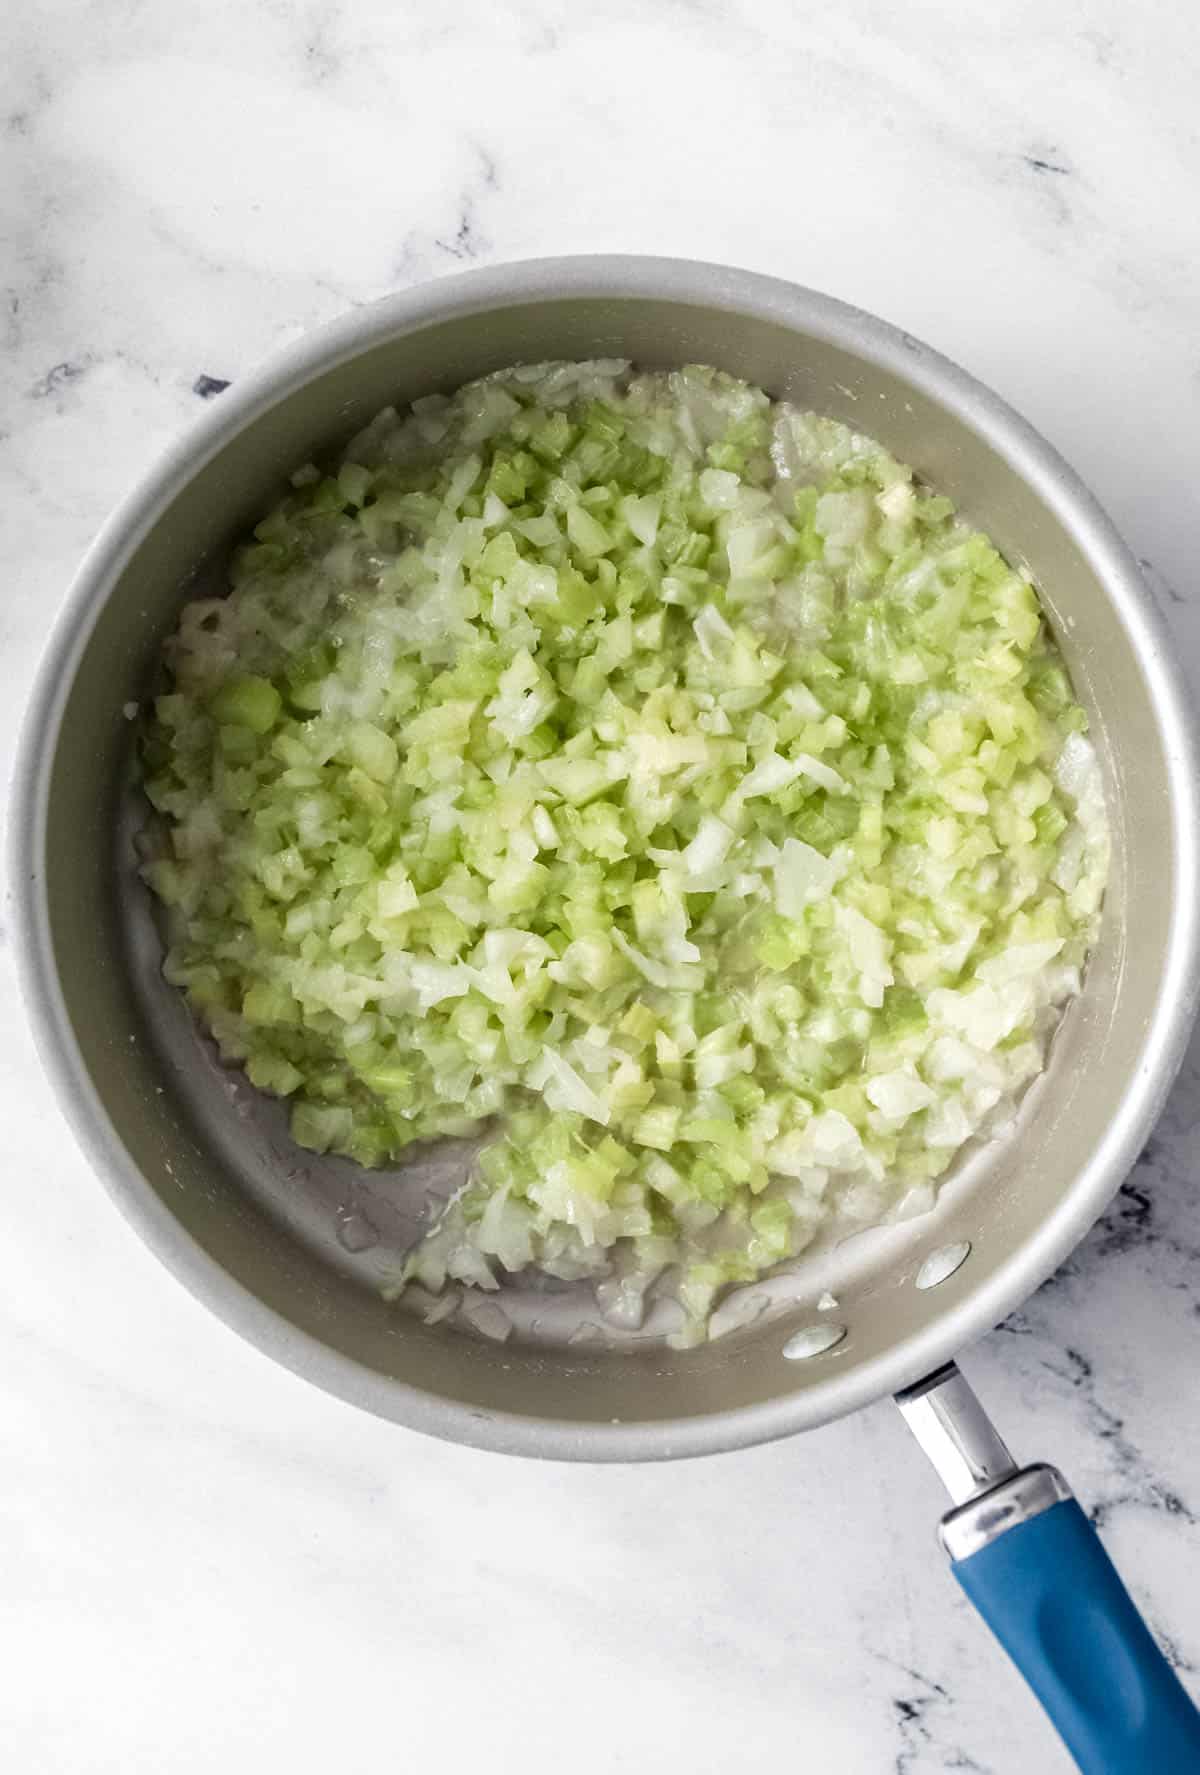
<point x="652" y="776"/>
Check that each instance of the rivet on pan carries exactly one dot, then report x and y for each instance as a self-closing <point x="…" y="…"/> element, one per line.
<point x="942" y="1263"/>
<point x="812" y="1340"/>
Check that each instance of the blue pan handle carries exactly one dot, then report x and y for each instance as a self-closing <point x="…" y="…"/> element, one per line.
<point x="1051" y="1595"/>
<point x="1035" y="1568"/>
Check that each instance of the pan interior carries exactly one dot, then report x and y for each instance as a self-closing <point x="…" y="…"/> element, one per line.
<point x="309" y="1240"/>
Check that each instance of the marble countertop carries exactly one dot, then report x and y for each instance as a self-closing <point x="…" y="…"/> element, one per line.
<point x="207" y="1564"/>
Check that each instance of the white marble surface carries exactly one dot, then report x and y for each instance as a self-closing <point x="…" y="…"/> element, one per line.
<point x="206" y="1564"/>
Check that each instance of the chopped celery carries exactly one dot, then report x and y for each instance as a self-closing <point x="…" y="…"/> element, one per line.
<point x="653" y="768"/>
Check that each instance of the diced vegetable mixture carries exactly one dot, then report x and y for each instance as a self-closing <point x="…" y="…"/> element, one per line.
<point x="651" y="778"/>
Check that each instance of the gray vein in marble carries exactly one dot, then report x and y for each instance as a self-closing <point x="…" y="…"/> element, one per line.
<point x="55" y="378"/>
<point x="1047" y="171"/>
<point x="465" y="241"/>
<point x="1040" y="164"/>
<point x="1144" y="1215"/>
<point x="468" y="243"/>
<point x="920" y="1714"/>
<point x="1176" y="1658"/>
<point x="1135" y="1483"/>
<point x="1150" y="1224"/>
